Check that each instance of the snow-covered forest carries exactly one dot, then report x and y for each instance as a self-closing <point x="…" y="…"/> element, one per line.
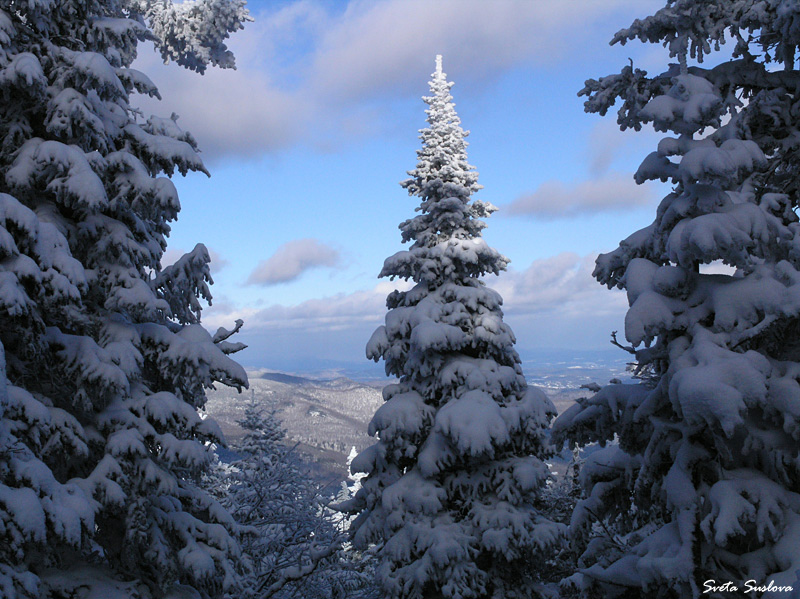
<point x="681" y="481"/>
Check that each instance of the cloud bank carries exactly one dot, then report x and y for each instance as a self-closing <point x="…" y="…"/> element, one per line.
<point x="560" y="284"/>
<point x="554" y="301"/>
<point x="377" y="48"/>
<point x="311" y="67"/>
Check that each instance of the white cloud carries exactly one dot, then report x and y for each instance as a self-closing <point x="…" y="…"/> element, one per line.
<point x="239" y="112"/>
<point x="555" y="199"/>
<point x="291" y="260"/>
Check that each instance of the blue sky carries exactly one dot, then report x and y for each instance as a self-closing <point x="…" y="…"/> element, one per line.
<point x="307" y="141"/>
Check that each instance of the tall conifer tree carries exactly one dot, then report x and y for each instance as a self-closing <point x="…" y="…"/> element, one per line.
<point x="453" y="480"/>
<point x="704" y="485"/>
<point x="105" y="363"/>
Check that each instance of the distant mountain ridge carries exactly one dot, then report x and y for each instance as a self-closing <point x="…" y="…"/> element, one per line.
<point x="288" y="379"/>
<point x="327" y="415"/>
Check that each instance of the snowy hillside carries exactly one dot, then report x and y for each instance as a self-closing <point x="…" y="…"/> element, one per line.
<point x="327" y="417"/>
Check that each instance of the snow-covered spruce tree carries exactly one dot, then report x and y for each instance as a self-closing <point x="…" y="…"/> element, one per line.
<point x="293" y="545"/>
<point x="704" y="484"/>
<point x="105" y="361"/>
<point x="454" y="477"/>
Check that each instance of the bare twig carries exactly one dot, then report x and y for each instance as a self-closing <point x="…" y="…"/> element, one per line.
<point x="605" y="528"/>
<point x="630" y="349"/>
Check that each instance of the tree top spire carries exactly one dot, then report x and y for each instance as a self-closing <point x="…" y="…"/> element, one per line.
<point x="438" y="64"/>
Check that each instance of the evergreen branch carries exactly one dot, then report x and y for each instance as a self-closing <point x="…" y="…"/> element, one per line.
<point x="294" y="573"/>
